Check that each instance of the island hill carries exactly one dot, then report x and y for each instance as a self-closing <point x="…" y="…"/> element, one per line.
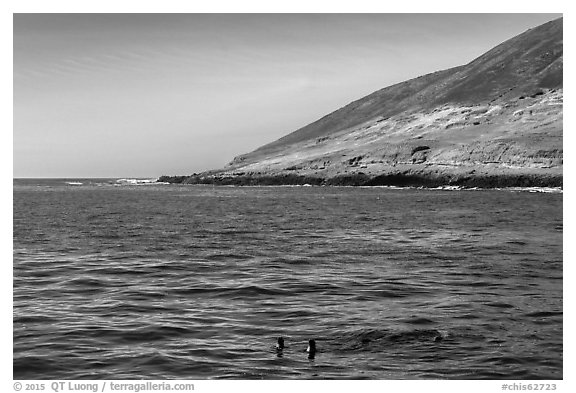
<point x="495" y="122"/>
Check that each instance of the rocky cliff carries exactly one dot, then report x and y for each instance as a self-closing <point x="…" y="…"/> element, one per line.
<point x="496" y="121"/>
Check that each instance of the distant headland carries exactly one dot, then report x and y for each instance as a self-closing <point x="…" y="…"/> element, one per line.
<point x="494" y="122"/>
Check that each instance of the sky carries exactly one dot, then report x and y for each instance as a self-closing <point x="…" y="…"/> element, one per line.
<point x="143" y="95"/>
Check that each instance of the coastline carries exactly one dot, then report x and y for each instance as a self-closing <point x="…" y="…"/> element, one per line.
<point x="398" y="179"/>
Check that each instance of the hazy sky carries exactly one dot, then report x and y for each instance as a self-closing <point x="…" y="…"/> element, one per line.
<point x="141" y="95"/>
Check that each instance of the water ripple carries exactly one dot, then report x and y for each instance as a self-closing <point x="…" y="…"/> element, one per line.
<point x="163" y="282"/>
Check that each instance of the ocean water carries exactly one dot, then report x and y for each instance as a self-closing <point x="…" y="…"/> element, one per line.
<point x="120" y="280"/>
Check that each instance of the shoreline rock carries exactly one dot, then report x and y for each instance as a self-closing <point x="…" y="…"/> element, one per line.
<point x="406" y="179"/>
